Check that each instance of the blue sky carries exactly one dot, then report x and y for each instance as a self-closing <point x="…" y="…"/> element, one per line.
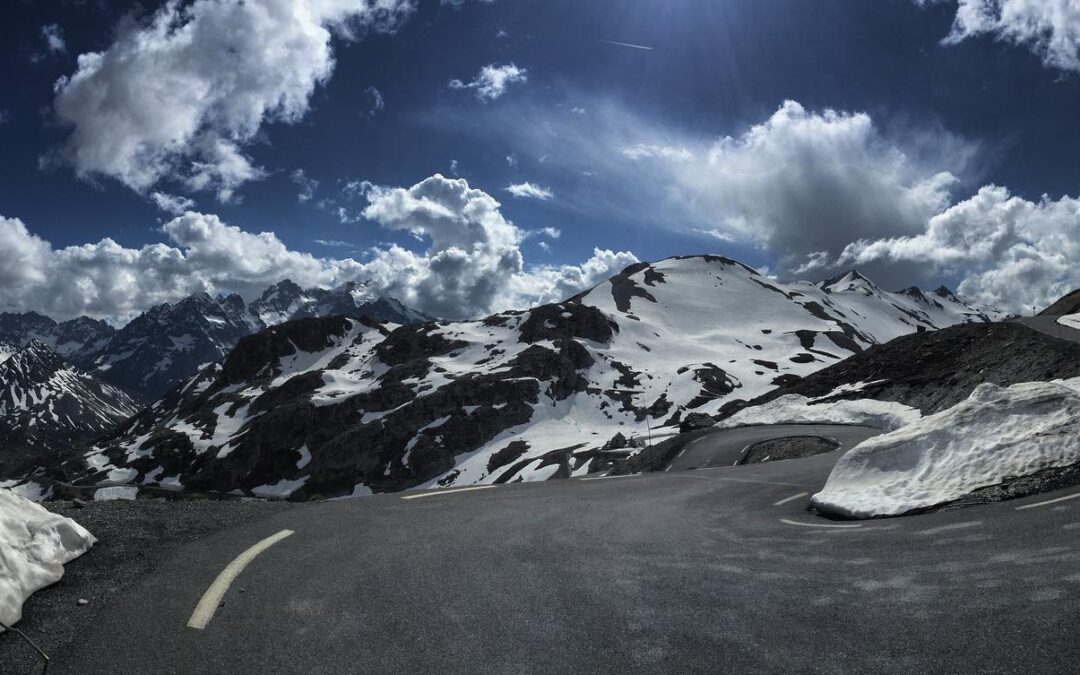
<point x="854" y="137"/>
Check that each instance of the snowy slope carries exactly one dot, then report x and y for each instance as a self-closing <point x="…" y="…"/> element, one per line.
<point x="34" y="546"/>
<point x="75" y="340"/>
<point x="998" y="433"/>
<point x="6" y="350"/>
<point x="48" y="405"/>
<point x="170" y="343"/>
<point x="329" y="407"/>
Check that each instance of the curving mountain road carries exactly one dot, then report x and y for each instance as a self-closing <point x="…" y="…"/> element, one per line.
<point x="1048" y="325"/>
<point x="714" y="570"/>
<point x="729" y="446"/>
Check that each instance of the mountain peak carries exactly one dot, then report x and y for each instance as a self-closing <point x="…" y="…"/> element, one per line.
<point x="944" y="292"/>
<point x="852" y="276"/>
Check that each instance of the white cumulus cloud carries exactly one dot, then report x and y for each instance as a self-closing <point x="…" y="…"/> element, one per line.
<point x="1049" y="28"/>
<point x="473" y="263"/>
<point x="180" y="95"/>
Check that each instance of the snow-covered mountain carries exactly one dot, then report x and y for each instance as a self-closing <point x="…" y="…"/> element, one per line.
<point x="6" y="350"/>
<point x="324" y="407"/>
<point x="171" y="342"/>
<point x="76" y="340"/>
<point x="48" y="405"/>
<point x="286" y="300"/>
<point x="168" y="343"/>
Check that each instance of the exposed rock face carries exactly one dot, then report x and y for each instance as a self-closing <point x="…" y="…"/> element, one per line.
<point x="337" y="406"/>
<point x="1068" y="304"/>
<point x="171" y="342"/>
<point x="48" y="406"/>
<point x="76" y="340"/>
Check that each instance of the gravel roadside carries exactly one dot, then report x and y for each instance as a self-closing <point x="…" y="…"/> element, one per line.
<point x="133" y="538"/>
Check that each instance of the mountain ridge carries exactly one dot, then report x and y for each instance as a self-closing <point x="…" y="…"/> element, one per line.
<point x="331" y="407"/>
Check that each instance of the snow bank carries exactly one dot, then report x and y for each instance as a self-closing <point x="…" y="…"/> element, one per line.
<point x="1070" y="321"/>
<point x="34" y="545"/>
<point x="796" y="409"/>
<point x="996" y="433"/>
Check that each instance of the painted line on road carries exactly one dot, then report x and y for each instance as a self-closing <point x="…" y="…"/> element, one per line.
<point x="208" y="604"/>
<point x="439" y="493"/>
<point x="745" y="480"/>
<point x="623" y="475"/>
<point x="953" y="526"/>
<point x="1049" y="501"/>
<point x="845" y="526"/>
<point x="792" y="498"/>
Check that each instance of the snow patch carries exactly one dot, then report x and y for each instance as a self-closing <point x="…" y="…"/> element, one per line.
<point x="997" y="433"/>
<point x="108" y="494"/>
<point x="797" y="409"/>
<point x="34" y="546"/>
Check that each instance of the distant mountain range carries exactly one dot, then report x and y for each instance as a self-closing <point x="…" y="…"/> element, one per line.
<point x="322" y="407"/>
<point x="170" y="342"/>
<point x="48" y="406"/>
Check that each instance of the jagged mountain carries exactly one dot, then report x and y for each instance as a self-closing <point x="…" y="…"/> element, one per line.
<point x="168" y="343"/>
<point x="6" y="350"/>
<point x="171" y="342"/>
<point x="77" y="340"/>
<point x="286" y="300"/>
<point x="48" y="406"/>
<point x="325" y="407"/>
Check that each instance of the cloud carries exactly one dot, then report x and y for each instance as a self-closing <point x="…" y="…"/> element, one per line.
<point x="333" y="243"/>
<point x="173" y="204"/>
<point x="179" y="96"/>
<point x="1049" y="28"/>
<point x="306" y="184"/>
<point x="492" y="81"/>
<point x="1011" y="252"/>
<point x="652" y="151"/>
<point x="105" y="279"/>
<point x="472" y="264"/>
<point x="529" y="191"/>
<point x="376" y="102"/>
<point x="54" y="38"/>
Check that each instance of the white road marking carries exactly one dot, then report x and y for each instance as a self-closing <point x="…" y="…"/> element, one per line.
<point x="1049" y="501"/>
<point x="792" y="498"/>
<point x="439" y="493"/>
<point x="743" y="480"/>
<point x="846" y="526"/>
<point x="954" y="526"/>
<point x="625" y="475"/>
<point x="683" y="451"/>
<point x="208" y="604"/>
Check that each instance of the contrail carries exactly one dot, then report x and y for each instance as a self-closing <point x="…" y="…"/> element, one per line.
<point x="627" y="44"/>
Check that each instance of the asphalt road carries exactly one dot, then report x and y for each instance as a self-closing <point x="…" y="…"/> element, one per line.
<point x="1049" y="326"/>
<point x="713" y="570"/>
<point x="727" y="447"/>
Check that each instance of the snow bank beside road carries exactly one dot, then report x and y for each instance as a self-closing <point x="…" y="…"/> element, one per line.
<point x="796" y="409"/>
<point x="997" y="433"/>
<point x="1070" y="321"/>
<point x="34" y="546"/>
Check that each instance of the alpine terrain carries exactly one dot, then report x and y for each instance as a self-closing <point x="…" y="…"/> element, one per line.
<point x="48" y="406"/>
<point x="337" y="406"/>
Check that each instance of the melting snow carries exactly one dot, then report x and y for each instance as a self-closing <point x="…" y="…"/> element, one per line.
<point x="34" y="546"/>
<point x="998" y="432"/>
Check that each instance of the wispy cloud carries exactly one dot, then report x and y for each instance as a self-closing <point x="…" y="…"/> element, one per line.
<point x="530" y="191"/>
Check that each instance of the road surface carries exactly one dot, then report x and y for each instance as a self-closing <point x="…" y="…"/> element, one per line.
<point x="1049" y="326"/>
<point x="728" y="447"/>
<point x="713" y="570"/>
